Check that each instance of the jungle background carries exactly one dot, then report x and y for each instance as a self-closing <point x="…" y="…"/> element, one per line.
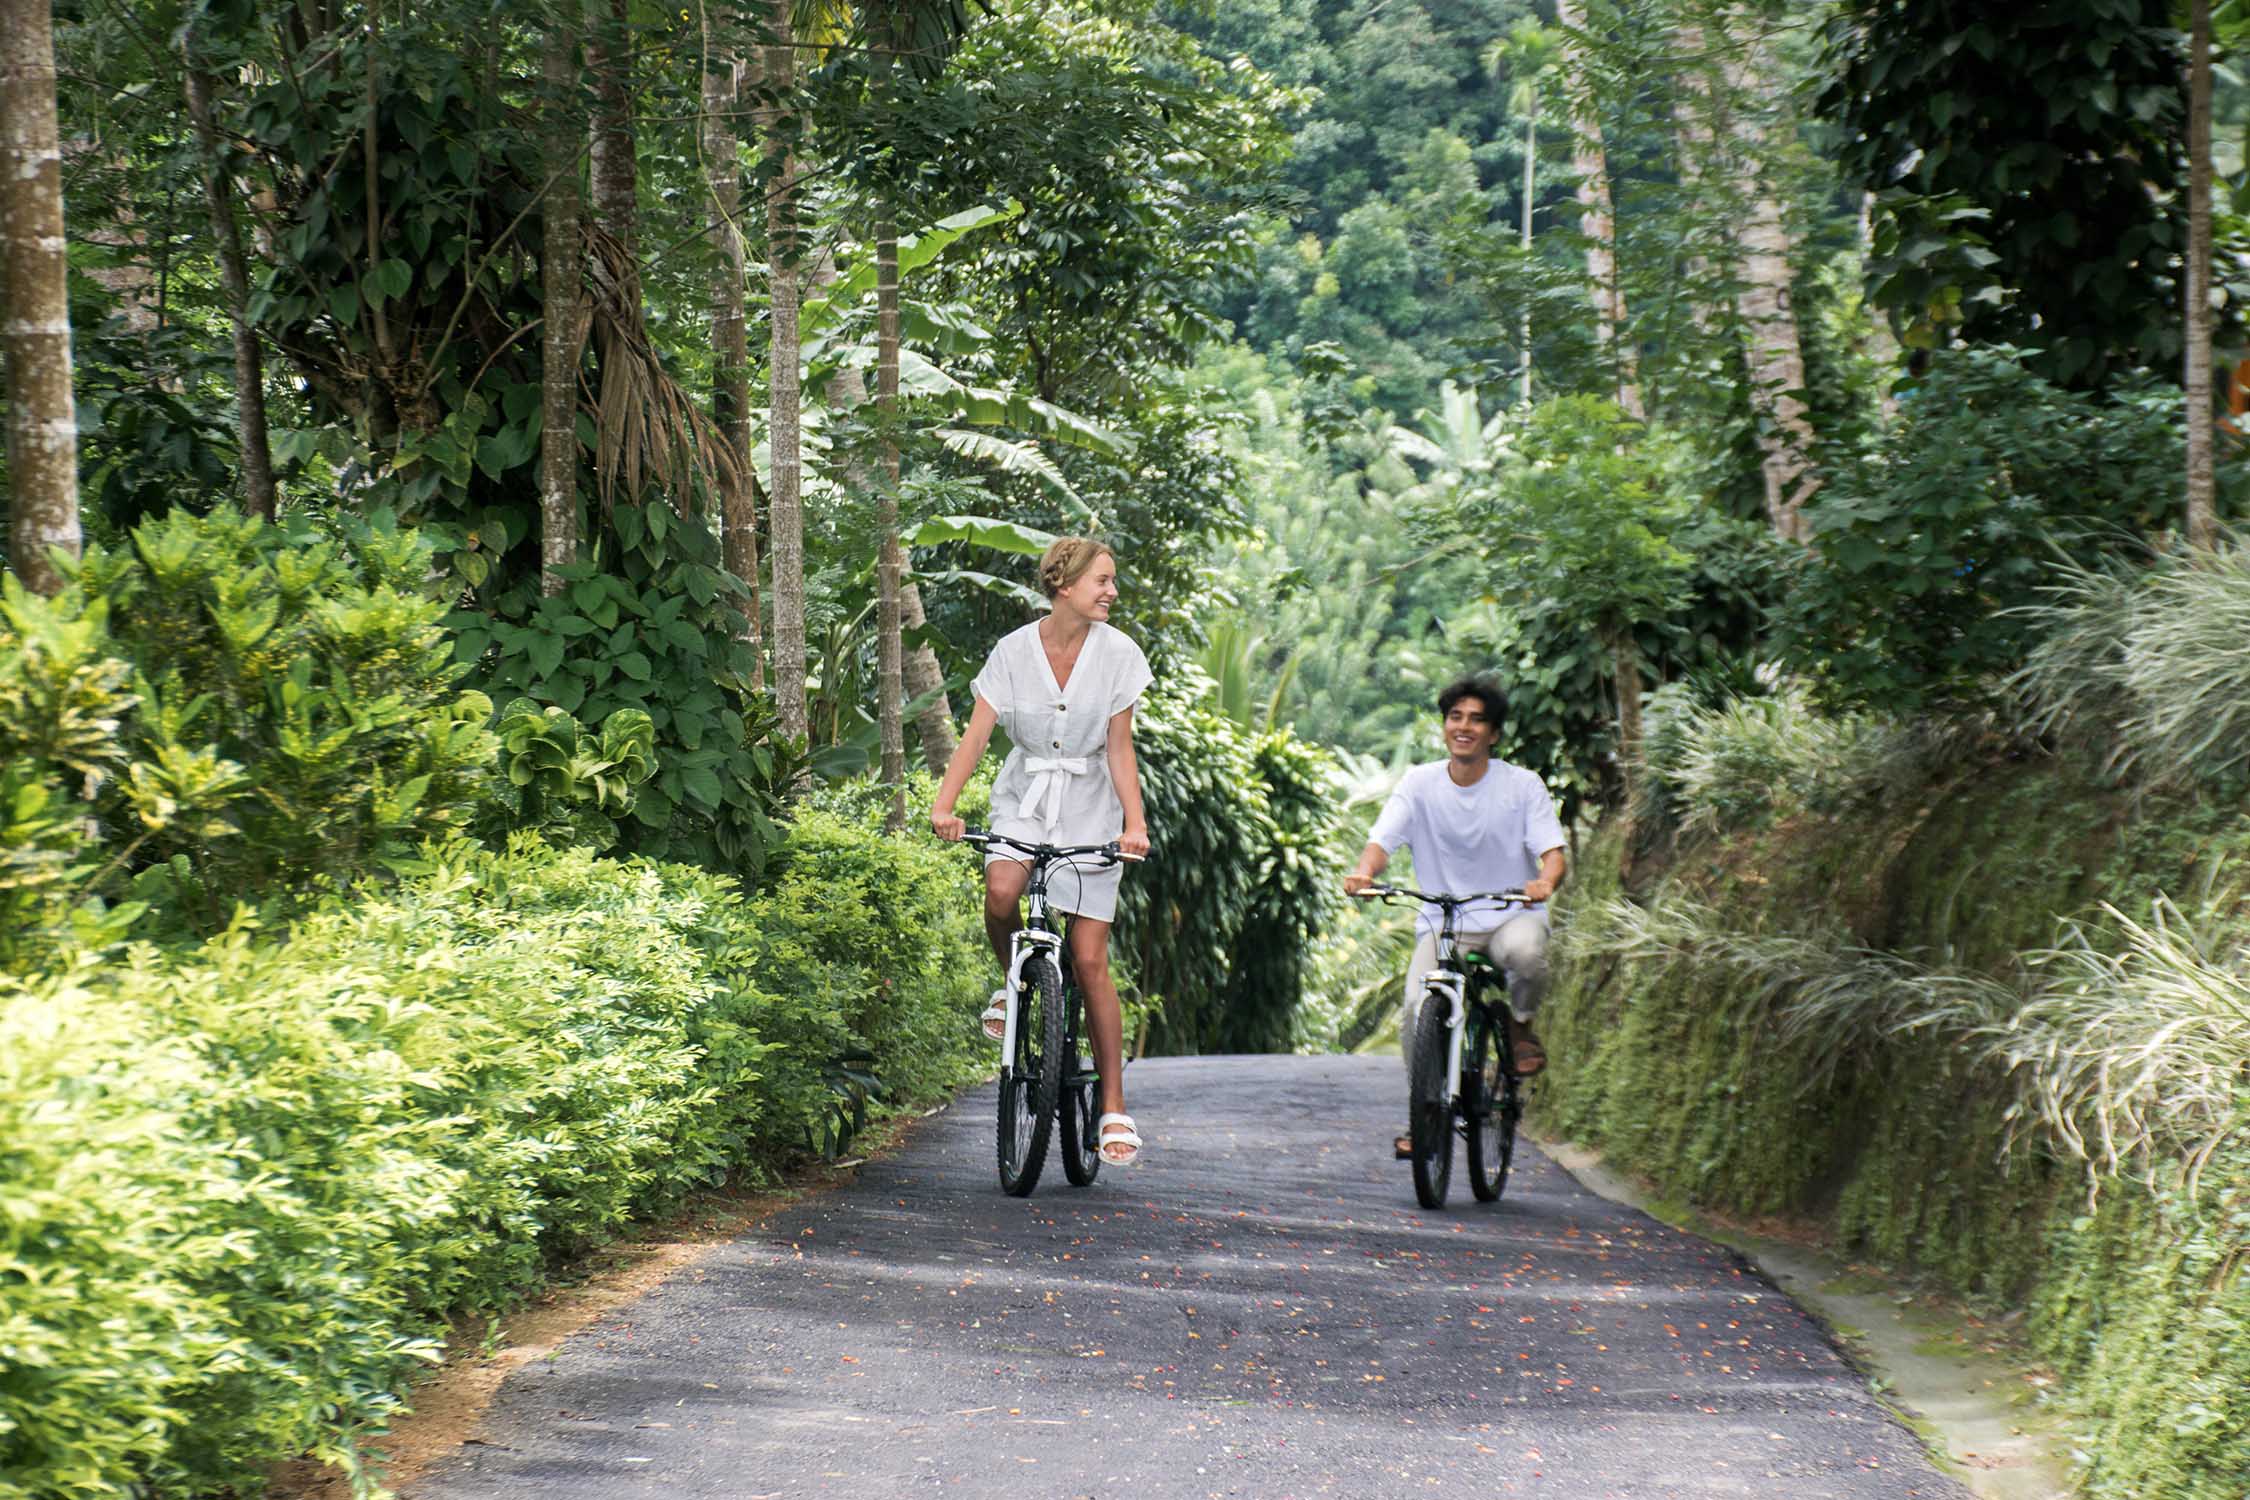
<point x="504" y="502"/>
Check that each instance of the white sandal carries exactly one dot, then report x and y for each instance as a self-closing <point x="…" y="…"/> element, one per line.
<point x="1117" y="1130"/>
<point x="994" y="1020"/>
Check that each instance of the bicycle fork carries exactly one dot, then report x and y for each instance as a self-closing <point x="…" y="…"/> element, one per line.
<point x="1029" y="940"/>
<point x="1452" y="986"/>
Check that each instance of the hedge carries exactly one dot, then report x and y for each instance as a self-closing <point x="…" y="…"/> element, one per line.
<point x="242" y="1188"/>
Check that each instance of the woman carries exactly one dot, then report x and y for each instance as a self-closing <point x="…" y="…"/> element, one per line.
<point x="1064" y="687"/>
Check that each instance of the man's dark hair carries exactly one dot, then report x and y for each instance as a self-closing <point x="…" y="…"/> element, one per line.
<point x="1481" y="688"/>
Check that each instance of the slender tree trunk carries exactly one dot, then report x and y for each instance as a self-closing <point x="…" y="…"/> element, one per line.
<point x="925" y="678"/>
<point x="730" y="341"/>
<point x="890" y="686"/>
<point x="2202" y="507"/>
<point x="563" y="305"/>
<point x="782" y="381"/>
<point x="1625" y="664"/>
<point x="1776" y="357"/>
<point x="1530" y="185"/>
<point x="35" y="302"/>
<point x="234" y="278"/>
<point x="1598" y="222"/>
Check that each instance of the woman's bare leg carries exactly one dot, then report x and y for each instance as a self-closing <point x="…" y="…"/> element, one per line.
<point x="1105" y="1021"/>
<point x="1003" y="906"/>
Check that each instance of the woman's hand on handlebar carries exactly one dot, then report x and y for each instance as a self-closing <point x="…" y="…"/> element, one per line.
<point x="1133" y="844"/>
<point x="947" y="826"/>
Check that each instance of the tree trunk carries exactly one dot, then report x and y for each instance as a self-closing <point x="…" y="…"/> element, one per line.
<point x="730" y="342"/>
<point x="1598" y="222"/>
<point x="890" y="687"/>
<point x="925" y="679"/>
<point x="35" y="302"/>
<point x="563" y="306"/>
<point x="614" y="172"/>
<point x="2202" y="508"/>
<point x="1625" y="666"/>
<point x="234" y="278"/>
<point x="786" y="515"/>
<point x="1775" y="356"/>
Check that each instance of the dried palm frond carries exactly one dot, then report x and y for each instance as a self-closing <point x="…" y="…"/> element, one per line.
<point x="650" y="434"/>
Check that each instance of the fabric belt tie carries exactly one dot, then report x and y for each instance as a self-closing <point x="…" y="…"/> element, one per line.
<point x="1050" y="779"/>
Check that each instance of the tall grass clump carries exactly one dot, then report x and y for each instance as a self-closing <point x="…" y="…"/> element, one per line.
<point x="2134" y="1050"/>
<point x="1750" y="759"/>
<point x="2153" y="660"/>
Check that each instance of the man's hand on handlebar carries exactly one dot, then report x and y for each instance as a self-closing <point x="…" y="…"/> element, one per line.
<point x="947" y="826"/>
<point x="1355" y="883"/>
<point x="1538" y="890"/>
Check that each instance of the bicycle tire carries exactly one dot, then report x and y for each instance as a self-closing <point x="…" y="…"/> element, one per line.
<point x="1429" y="1111"/>
<point x="1032" y="1078"/>
<point x="1488" y="1087"/>
<point x="1080" y="1108"/>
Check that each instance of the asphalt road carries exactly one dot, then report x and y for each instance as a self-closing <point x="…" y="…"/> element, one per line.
<point x="1259" y="1308"/>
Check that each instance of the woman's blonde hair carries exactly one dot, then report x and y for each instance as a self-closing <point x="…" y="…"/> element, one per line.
<point x="1066" y="560"/>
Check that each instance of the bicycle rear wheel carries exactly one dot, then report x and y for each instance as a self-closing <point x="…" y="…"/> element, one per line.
<point x="1031" y="1078"/>
<point x="1488" y="1088"/>
<point x="1429" y="1110"/>
<point x="1080" y="1107"/>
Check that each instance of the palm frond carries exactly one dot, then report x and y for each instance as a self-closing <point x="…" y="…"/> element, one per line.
<point x="649" y="433"/>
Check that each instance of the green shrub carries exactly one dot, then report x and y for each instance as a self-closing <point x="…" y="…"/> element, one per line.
<point x="1294" y="902"/>
<point x="246" y="1185"/>
<point x="315" y="665"/>
<point x="655" y="626"/>
<point x="1925" y="547"/>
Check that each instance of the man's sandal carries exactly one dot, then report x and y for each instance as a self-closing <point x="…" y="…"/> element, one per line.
<point x="1115" y="1131"/>
<point x="1530" y="1056"/>
<point x="994" y="1020"/>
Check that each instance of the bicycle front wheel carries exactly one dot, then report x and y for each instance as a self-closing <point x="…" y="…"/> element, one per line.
<point x="1079" y="1104"/>
<point x="1031" y="1078"/>
<point x="1429" y="1109"/>
<point x="1488" y="1087"/>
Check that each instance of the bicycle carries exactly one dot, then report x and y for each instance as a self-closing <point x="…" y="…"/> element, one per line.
<point x="1483" y="1101"/>
<point x="1042" y="1075"/>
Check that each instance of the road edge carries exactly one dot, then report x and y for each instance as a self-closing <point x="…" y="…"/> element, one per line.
<point x="1975" y="1412"/>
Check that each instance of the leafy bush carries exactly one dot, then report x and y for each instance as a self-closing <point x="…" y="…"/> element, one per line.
<point x="1217" y="927"/>
<point x="656" y="627"/>
<point x="1294" y="902"/>
<point x="1926" y="545"/>
<point x="559" y="778"/>
<point x="318" y="667"/>
<point x="246" y="1187"/>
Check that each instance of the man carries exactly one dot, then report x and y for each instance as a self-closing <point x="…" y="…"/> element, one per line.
<point x="1475" y="824"/>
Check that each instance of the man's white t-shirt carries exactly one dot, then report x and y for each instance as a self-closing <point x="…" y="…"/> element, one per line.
<point x="1486" y="836"/>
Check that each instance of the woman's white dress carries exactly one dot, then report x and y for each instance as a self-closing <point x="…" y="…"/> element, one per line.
<point x="1055" y="786"/>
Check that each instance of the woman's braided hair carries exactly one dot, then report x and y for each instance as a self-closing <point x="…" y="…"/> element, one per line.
<point x="1066" y="560"/>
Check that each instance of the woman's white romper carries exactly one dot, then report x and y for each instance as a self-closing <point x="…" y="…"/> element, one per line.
<point x="1055" y="786"/>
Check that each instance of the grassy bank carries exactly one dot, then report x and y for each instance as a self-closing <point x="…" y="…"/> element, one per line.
<point x="1908" y="1017"/>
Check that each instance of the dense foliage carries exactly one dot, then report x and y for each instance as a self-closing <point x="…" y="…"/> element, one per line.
<point x="250" y="1180"/>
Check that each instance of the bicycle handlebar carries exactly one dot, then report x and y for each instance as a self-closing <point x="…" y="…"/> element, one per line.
<point x="982" y="838"/>
<point x="1514" y="896"/>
